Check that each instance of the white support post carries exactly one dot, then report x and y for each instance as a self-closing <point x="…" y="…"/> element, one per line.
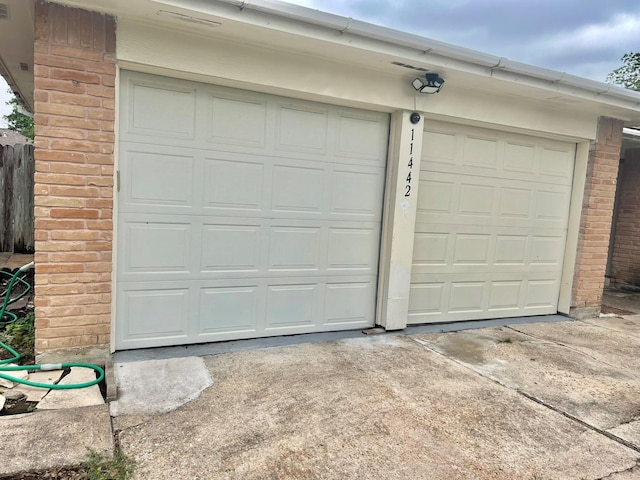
<point x="401" y="197"/>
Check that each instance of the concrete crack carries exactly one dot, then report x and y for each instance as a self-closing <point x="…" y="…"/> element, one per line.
<point x="626" y="470"/>
<point x="581" y="352"/>
<point x="609" y="435"/>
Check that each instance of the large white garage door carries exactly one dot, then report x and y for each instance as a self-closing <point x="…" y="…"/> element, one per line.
<point x="491" y="225"/>
<point x="242" y="214"/>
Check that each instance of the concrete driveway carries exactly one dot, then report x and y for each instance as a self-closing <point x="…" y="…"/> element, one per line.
<point x="537" y="401"/>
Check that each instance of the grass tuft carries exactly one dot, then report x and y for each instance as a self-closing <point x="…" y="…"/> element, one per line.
<point x="102" y="467"/>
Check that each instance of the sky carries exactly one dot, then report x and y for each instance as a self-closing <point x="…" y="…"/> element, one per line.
<point x="581" y="37"/>
<point x="4" y="98"/>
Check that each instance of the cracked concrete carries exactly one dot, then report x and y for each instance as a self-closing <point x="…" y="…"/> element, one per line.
<point x="482" y="404"/>
<point x="550" y="400"/>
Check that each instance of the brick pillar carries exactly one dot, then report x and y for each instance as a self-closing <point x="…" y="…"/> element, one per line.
<point x="74" y="90"/>
<point x="625" y="261"/>
<point x="595" y="222"/>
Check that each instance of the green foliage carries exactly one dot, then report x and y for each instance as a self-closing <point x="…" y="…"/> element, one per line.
<point x="20" y="335"/>
<point x="101" y="467"/>
<point x="18" y="121"/>
<point x="628" y="75"/>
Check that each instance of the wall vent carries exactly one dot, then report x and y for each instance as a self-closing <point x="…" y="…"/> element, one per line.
<point x="24" y="67"/>
<point x="412" y="67"/>
<point x="4" y="11"/>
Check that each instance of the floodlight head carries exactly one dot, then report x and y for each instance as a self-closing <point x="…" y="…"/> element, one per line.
<point x="431" y="84"/>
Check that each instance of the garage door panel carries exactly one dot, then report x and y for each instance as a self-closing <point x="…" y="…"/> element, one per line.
<point x="463" y="199"/>
<point x="237" y="120"/>
<point x="302" y="129"/>
<point x="295" y="248"/>
<point x="174" y="176"/>
<point x="519" y="157"/>
<point x="349" y="304"/>
<point x="557" y="163"/>
<point x="233" y="184"/>
<point x="264" y="218"/>
<point x="173" y="173"/>
<point x="480" y="152"/>
<point x="360" y="137"/>
<point x="474" y="250"/>
<point x="484" y="153"/>
<point x="491" y="224"/>
<point x="353" y="193"/>
<point x="229" y="309"/>
<point x="480" y="296"/>
<point x="160" y="110"/>
<point x="237" y="248"/>
<point x="160" y="312"/>
<point x="156" y="248"/>
<point x="352" y="249"/>
<point x="294" y="305"/>
<point x="167" y="246"/>
<point x="297" y="189"/>
<point x="476" y="200"/>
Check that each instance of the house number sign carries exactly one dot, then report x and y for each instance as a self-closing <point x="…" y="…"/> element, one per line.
<point x="407" y="186"/>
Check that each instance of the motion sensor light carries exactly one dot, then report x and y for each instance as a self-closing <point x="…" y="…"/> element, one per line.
<point x="432" y="83"/>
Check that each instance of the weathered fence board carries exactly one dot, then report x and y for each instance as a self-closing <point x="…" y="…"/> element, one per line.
<point x="16" y="198"/>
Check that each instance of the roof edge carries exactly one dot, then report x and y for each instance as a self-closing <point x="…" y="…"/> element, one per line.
<point x="466" y="55"/>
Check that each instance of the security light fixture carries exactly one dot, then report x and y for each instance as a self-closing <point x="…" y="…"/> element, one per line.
<point x="432" y="83"/>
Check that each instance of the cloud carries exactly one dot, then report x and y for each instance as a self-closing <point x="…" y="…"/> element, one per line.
<point x="621" y="30"/>
<point x="583" y="37"/>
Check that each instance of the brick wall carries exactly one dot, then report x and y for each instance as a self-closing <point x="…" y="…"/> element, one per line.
<point x="74" y="69"/>
<point x="595" y="224"/>
<point x="625" y="261"/>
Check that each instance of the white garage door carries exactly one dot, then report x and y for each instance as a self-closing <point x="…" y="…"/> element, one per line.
<point x="243" y="215"/>
<point x="491" y="225"/>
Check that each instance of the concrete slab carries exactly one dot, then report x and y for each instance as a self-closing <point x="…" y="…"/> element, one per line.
<point x="19" y="374"/>
<point x="369" y="408"/>
<point x="74" y="398"/>
<point x="158" y="386"/>
<point x="629" y="324"/>
<point x="629" y="429"/>
<point x="12" y="261"/>
<point x="614" y="347"/>
<point x="631" y="474"/>
<point x="623" y="300"/>
<point x="55" y="437"/>
<point x="36" y="394"/>
<point x="565" y="376"/>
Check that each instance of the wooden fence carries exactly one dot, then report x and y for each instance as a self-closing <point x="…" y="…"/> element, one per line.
<point x="16" y="198"/>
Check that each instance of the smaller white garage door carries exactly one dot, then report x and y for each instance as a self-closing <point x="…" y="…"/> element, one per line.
<point x="243" y="215"/>
<point x="491" y="225"/>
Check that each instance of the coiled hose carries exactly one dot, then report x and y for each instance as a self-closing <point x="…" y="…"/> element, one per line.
<point x="18" y="278"/>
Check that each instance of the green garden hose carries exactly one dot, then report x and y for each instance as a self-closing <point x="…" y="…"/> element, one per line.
<point x="18" y="277"/>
